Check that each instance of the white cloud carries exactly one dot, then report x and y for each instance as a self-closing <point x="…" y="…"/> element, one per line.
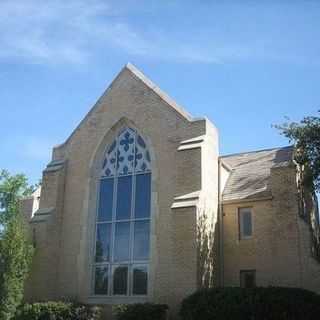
<point x="67" y="32"/>
<point x="46" y="31"/>
<point x="74" y="31"/>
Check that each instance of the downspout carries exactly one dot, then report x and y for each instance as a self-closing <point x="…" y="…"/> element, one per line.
<point x="220" y="221"/>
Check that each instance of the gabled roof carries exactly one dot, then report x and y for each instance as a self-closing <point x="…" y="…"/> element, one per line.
<point x="146" y="81"/>
<point x="250" y="174"/>
<point x="158" y="91"/>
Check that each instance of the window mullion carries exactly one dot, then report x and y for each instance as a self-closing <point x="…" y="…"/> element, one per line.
<point x="93" y="274"/>
<point x="96" y="224"/>
<point x="132" y="216"/>
<point x="113" y="226"/>
<point x="93" y="269"/>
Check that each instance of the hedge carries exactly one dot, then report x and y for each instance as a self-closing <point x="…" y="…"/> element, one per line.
<point x="53" y="310"/>
<point x="273" y="303"/>
<point x="141" y="311"/>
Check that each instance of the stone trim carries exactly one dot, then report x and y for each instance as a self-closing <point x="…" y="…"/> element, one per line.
<point x="42" y="215"/>
<point x="192" y="143"/>
<point x="54" y="165"/>
<point x="44" y="211"/>
<point x="85" y="259"/>
<point x="115" y="300"/>
<point x="186" y="200"/>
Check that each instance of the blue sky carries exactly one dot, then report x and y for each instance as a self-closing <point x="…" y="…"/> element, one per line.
<point x="243" y="64"/>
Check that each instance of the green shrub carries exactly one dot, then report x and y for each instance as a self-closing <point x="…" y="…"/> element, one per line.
<point x="254" y="304"/>
<point x="142" y="311"/>
<point x="57" y="311"/>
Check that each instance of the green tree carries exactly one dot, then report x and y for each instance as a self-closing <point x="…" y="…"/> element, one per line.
<point x="15" y="248"/>
<point x="306" y="137"/>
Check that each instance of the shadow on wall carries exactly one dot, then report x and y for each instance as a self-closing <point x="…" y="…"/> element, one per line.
<point x="207" y="244"/>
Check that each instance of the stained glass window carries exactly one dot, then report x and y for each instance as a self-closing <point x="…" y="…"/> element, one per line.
<point x="122" y="243"/>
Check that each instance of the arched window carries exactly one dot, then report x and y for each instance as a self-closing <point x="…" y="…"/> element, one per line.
<point x="123" y="218"/>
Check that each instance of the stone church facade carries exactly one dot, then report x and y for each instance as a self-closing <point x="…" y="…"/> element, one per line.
<point x="137" y="205"/>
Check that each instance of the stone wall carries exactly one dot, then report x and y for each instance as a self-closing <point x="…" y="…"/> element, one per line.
<point x="280" y="249"/>
<point x="66" y="218"/>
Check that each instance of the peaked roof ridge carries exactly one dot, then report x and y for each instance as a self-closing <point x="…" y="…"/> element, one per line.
<point x="255" y="151"/>
<point x="163" y="95"/>
<point x="139" y="75"/>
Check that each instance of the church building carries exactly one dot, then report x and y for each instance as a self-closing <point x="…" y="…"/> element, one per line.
<point x="138" y="205"/>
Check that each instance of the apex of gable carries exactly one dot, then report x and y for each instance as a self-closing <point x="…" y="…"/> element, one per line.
<point x="165" y="97"/>
<point x="127" y="71"/>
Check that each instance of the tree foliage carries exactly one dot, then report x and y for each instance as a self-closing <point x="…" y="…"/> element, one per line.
<point x="15" y="248"/>
<point x="12" y="189"/>
<point x="306" y="137"/>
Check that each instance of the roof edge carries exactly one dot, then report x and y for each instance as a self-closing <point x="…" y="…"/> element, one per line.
<point x="254" y="151"/>
<point x="163" y="95"/>
<point x="138" y="74"/>
<point x="95" y="105"/>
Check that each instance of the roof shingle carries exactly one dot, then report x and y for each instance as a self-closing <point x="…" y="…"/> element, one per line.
<point x="250" y="175"/>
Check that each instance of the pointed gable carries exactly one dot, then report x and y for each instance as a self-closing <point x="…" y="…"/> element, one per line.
<point x="129" y="70"/>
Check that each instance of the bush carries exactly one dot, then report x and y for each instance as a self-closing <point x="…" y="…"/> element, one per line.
<point x="142" y="311"/>
<point x="258" y="303"/>
<point x="57" y="311"/>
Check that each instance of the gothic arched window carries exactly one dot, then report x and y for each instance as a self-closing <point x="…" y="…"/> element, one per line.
<point x="121" y="260"/>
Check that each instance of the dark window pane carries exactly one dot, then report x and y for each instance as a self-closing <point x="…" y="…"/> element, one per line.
<point x="248" y="279"/>
<point x="121" y="241"/>
<point x="141" y="240"/>
<point x="101" y="280"/>
<point x="247" y="226"/>
<point x="103" y="242"/>
<point x="120" y="280"/>
<point x="105" y="200"/>
<point x="140" y="280"/>
<point x="124" y="194"/>
<point x="245" y="222"/>
<point x="143" y="196"/>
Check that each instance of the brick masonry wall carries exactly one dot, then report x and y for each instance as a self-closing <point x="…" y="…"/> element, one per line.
<point x="63" y="263"/>
<point x="279" y="250"/>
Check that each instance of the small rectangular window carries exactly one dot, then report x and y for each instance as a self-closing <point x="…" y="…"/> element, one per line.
<point x="245" y="223"/>
<point x="247" y="278"/>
